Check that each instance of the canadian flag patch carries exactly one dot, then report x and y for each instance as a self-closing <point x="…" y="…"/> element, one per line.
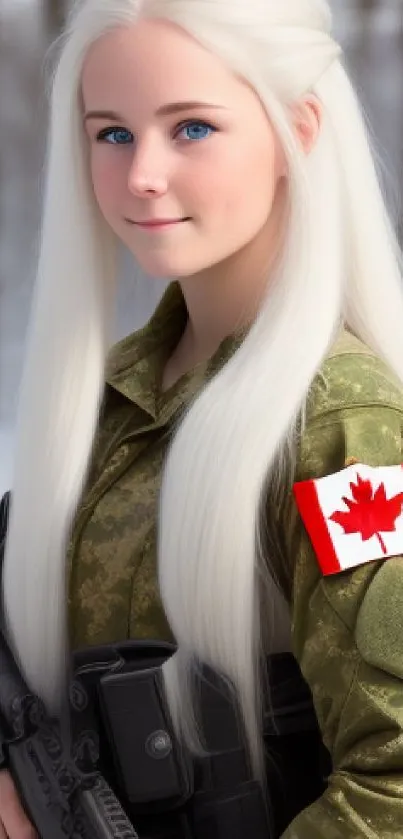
<point x="353" y="516"/>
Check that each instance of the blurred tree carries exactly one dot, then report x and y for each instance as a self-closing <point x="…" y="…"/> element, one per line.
<point x="367" y="5"/>
<point x="54" y="13"/>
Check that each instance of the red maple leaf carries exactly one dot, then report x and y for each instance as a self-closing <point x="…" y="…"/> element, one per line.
<point x="369" y="513"/>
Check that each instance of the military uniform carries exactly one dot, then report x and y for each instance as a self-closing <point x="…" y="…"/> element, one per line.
<point x="346" y="628"/>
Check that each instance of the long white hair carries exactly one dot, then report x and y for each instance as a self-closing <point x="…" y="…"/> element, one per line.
<point x="341" y="263"/>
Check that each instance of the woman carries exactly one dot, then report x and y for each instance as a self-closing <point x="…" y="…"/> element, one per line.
<point x="274" y="360"/>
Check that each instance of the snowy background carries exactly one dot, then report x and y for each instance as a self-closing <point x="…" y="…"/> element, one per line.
<point x="371" y="32"/>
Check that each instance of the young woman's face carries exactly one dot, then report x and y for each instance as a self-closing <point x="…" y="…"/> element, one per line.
<point x="212" y="167"/>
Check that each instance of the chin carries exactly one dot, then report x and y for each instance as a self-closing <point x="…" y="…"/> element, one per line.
<point x="169" y="268"/>
<point x="162" y="269"/>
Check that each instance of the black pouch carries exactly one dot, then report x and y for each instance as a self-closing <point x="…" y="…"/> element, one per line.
<point x="120" y="722"/>
<point x="117" y="691"/>
<point x="227" y="801"/>
<point x="297" y="762"/>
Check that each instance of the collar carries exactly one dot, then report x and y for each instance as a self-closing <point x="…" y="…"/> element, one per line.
<point x="135" y="364"/>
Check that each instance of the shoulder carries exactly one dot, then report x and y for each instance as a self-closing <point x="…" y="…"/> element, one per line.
<point x="355" y="415"/>
<point x="352" y="376"/>
<point x="354" y="411"/>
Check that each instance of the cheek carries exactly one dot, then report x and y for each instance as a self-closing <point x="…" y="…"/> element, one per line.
<point x="242" y="190"/>
<point x="108" y="180"/>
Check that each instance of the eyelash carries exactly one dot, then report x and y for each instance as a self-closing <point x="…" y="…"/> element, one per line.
<point x="101" y="137"/>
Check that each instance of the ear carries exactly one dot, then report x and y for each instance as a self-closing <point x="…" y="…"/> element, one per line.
<point x="307" y="119"/>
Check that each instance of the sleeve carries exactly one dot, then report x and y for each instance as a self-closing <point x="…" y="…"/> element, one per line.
<point x="348" y="639"/>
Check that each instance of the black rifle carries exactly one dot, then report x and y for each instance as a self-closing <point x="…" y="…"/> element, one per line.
<point x="61" y="801"/>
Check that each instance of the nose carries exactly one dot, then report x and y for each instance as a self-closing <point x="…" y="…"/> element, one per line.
<point x="149" y="169"/>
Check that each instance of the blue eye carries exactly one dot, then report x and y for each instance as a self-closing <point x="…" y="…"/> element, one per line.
<point x="122" y="136"/>
<point x="201" y="128"/>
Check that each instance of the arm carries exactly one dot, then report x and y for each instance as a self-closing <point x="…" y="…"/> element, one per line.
<point x="348" y="641"/>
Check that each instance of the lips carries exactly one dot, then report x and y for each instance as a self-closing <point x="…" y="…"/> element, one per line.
<point x="158" y="222"/>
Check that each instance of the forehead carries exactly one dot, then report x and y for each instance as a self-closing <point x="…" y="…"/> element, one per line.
<point x="159" y="58"/>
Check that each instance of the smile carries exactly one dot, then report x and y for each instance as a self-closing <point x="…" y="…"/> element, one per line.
<point x="157" y="225"/>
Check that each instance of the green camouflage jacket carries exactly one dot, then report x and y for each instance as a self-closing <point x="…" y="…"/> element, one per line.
<point x="347" y="628"/>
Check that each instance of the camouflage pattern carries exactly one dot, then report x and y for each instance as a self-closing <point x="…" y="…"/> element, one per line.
<point x="113" y="591"/>
<point x="346" y="629"/>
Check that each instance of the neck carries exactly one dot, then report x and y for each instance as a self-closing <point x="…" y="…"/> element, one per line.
<point x="226" y="298"/>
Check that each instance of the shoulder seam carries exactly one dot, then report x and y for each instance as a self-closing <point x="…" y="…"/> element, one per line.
<point x="316" y="418"/>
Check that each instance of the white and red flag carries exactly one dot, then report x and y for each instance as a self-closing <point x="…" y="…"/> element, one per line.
<point x="353" y="516"/>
